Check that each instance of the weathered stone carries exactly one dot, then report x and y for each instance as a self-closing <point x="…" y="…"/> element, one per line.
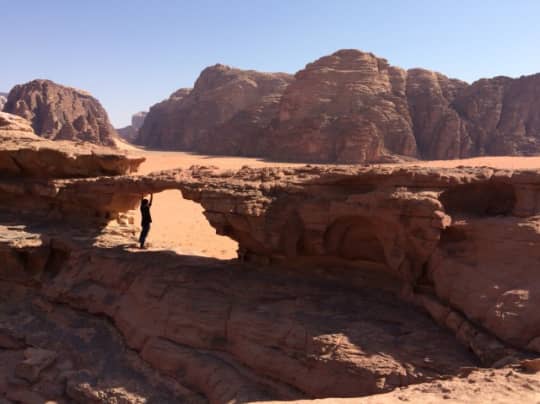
<point x="61" y="113"/>
<point x="224" y="112"/>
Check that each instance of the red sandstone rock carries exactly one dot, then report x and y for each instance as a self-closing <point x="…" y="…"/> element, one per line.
<point x="23" y="154"/>
<point x="61" y="113"/>
<point x="349" y="107"/>
<point x="222" y="96"/>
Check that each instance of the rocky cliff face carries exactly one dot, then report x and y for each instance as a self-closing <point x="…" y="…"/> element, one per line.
<point x="226" y="108"/>
<point x="61" y="113"/>
<point x="131" y="132"/>
<point x="353" y="107"/>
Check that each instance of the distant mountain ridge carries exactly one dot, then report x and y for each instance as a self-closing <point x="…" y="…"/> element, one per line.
<point x="348" y="107"/>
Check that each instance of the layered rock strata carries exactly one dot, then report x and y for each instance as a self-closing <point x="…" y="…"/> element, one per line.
<point x="349" y="107"/>
<point x="61" y="113"/>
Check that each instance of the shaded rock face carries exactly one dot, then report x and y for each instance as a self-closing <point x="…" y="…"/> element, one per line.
<point x="131" y="132"/>
<point x="61" y="113"/>
<point x="351" y="107"/>
<point x="224" y="101"/>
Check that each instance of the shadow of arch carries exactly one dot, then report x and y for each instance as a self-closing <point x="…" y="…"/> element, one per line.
<point x="354" y="238"/>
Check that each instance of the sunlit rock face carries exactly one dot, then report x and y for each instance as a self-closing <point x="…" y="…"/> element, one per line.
<point x="348" y="107"/>
<point x="225" y="112"/>
<point x="61" y="113"/>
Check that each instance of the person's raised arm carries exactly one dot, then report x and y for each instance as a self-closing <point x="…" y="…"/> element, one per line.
<point x="151" y="199"/>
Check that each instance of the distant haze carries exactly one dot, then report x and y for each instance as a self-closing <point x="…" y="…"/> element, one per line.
<point x="132" y="54"/>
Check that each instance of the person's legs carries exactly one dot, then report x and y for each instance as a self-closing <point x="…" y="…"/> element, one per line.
<point x="144" y="232"/>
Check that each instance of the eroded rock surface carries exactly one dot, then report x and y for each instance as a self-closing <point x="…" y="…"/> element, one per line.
<point x="338" y="270"/>
<point x="61" y="113"/>
<point x="24" y="154"/>
<point x="445" y="236"/>
<point x="233" y="332"/>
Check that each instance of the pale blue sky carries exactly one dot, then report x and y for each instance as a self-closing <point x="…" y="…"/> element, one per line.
<point x="132" y="54"/>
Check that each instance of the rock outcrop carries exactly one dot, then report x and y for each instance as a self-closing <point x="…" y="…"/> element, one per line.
<point x="84" y="317"/>
<point x="131" y="132"/>
<point x="24" y="154"/>
<point x="350" y="107"/>
<point x="226" y="108"/>
<point x="443" y="236"/>
<point x="61" y="113"/>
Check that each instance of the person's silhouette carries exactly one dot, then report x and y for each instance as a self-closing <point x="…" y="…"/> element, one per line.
<point x="146" y="219"/>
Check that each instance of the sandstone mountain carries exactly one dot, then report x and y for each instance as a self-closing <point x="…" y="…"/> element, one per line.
<point x="225" y="112"/>
<point x="61" y="113"/>
<point x="3" y="100"/>
<point x="349" y="107"/>
<point x="131" y="132"/>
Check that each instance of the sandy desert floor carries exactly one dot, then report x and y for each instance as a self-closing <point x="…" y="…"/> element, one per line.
<point x="180" y="225"/>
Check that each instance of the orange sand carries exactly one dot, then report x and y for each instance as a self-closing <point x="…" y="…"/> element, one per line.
<point x="180" y="225"/>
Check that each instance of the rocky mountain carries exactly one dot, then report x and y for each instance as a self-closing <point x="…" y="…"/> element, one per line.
<point x="349" y="107"/>
<point x="61" y="113"/>
<point x="131" y="132"/>
<point x="3" y="99"/>
<point x="226" y="108"/>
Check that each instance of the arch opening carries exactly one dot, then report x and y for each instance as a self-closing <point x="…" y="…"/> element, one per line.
<point x="180" y="225"/>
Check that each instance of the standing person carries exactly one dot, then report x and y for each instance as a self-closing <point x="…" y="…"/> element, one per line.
<point x="146" y="219"/>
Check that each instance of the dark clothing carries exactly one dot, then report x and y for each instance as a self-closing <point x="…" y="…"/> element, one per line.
<point x="144" y="232"/>
<point x="145" y="215"/>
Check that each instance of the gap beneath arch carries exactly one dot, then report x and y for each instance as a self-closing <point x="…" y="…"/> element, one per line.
<point x="179" y="224"/>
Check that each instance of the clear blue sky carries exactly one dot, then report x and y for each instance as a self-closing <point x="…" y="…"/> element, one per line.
<point x="132" y="54"/>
